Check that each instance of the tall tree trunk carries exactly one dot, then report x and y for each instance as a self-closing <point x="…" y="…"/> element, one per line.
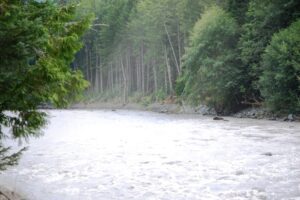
<point x="154" y="76"/>
<point x="166" y="81"/>
<point x="87" y="63"/>
<point x="100" y="73"/>
<point x="147" y="78"/>
<point x="128" y="72"/>
<point x="143" y="69"/>
<point x="112" y="76"/>
<point x="124" y="82"/>
<point x="101" y="78"/>
<point x="138" y="83"/>
<point x="91" y="70"/>
<point x="96" y="88"/>
<point x="179" y="44"/>
<point x="169" y="70"/>
<point x="172" y="48"/>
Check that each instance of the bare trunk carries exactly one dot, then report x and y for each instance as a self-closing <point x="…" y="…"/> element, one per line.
<point x="155" y="76"/>
<point x="169" y="70"/>
<point x="143" y="69"/>
<point x="100" y="72"/>
<point x="124" y="82"/>
<point x="87" y="63"/>
<point x="101" y="79"/>
<point x="166" y="81"/>
<point x="117" y="85"/>
<point x="138" y="84"/>
<point x="112" y="77"/>
<point x="96" y="88"/>
<point x="179" y="44"/>
<point x="91" y="70"/>
<point x="172" y="48"/>
<point x="128" y="72"/>
<point x="148" y="79"/>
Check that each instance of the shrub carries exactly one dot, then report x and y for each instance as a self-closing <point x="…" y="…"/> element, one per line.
<point x="211" y="68"/>
<point x="280" y="81"/>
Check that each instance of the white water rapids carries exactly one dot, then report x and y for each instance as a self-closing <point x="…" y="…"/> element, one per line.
<point x="133" y="155"/>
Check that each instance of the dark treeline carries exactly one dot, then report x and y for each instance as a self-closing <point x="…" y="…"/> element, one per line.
<point x="228" y="54"/>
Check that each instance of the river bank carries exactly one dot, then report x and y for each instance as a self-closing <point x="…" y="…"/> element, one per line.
<point x="175" y="108"/>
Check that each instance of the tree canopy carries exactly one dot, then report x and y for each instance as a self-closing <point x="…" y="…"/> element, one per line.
<point x="280" y="79"/>
<point x="212" y="72"/>
<point x="153" y="49"/>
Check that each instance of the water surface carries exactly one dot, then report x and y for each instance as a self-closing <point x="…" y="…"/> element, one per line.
<point x="131" y="155"/>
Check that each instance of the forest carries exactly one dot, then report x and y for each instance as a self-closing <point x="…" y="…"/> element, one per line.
<point x="227" y="54"/>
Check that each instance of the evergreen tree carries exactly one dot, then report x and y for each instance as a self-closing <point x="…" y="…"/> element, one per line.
<point x="263" y="19"/>
<point x="280" y="80"/>
<point x="238" y="9"/>
<point x="211" y="70"/>
<point x="38" y="41"/>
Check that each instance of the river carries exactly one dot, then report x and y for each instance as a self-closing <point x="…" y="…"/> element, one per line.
<point x="135" y="155"/>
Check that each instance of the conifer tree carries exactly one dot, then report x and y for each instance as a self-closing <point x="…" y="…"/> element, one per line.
<point x="38" y="41"/>
<point x="280" y="80"/>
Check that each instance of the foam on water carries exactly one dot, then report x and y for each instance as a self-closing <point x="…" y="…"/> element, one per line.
<point x="140" y="155"/>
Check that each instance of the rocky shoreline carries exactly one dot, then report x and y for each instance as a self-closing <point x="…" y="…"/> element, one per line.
<point x="173" y="108"/>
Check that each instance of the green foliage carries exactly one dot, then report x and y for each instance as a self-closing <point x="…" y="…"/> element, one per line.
<point x="160" y="95"/>
<point x="146" y="100"/>
<point x="221" y="66"/>
<point x="38" y="41"/>
<point x="263" y="19"/>
<point x="111" y="20"/>
<point x="280" y="81"/>
<point x="189" y="12"/>
<point x="238" y="9"/>
<point x="211" y="69"/>
<point x="7" y="159"/>
<point x="223" y="75"/>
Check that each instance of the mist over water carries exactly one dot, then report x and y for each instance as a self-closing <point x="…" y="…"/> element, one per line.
<point x="130" y="155"/>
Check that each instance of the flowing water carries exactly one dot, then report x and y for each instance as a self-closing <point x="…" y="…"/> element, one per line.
<point x="132" y="155"/>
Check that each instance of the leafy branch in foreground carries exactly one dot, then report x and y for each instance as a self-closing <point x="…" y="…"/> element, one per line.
<point x="38" y="42"/>
<point x="9" y="160"/>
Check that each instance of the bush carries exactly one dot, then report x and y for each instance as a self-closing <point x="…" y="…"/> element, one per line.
<point x="263" y="19"/>
<point x="211" y="69"/>
<point x="160" y="95"/>
<point x="280" y="81"/>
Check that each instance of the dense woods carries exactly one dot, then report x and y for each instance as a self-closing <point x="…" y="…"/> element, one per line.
<point x="228" y="54"/>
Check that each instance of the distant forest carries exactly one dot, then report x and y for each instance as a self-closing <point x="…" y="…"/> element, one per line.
<point x="227" y="54"/>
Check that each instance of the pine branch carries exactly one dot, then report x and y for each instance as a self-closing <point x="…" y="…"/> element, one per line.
<point x="7" y="159"/>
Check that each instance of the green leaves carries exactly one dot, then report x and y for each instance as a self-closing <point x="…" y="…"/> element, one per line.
<point x="229" y="62"/>
<point x="279" y="82"/>
<point x="211" y="70"/>
<point x="6" y="159"/>
<point x="263" y="19"/>
<point x="38" y="41"/>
